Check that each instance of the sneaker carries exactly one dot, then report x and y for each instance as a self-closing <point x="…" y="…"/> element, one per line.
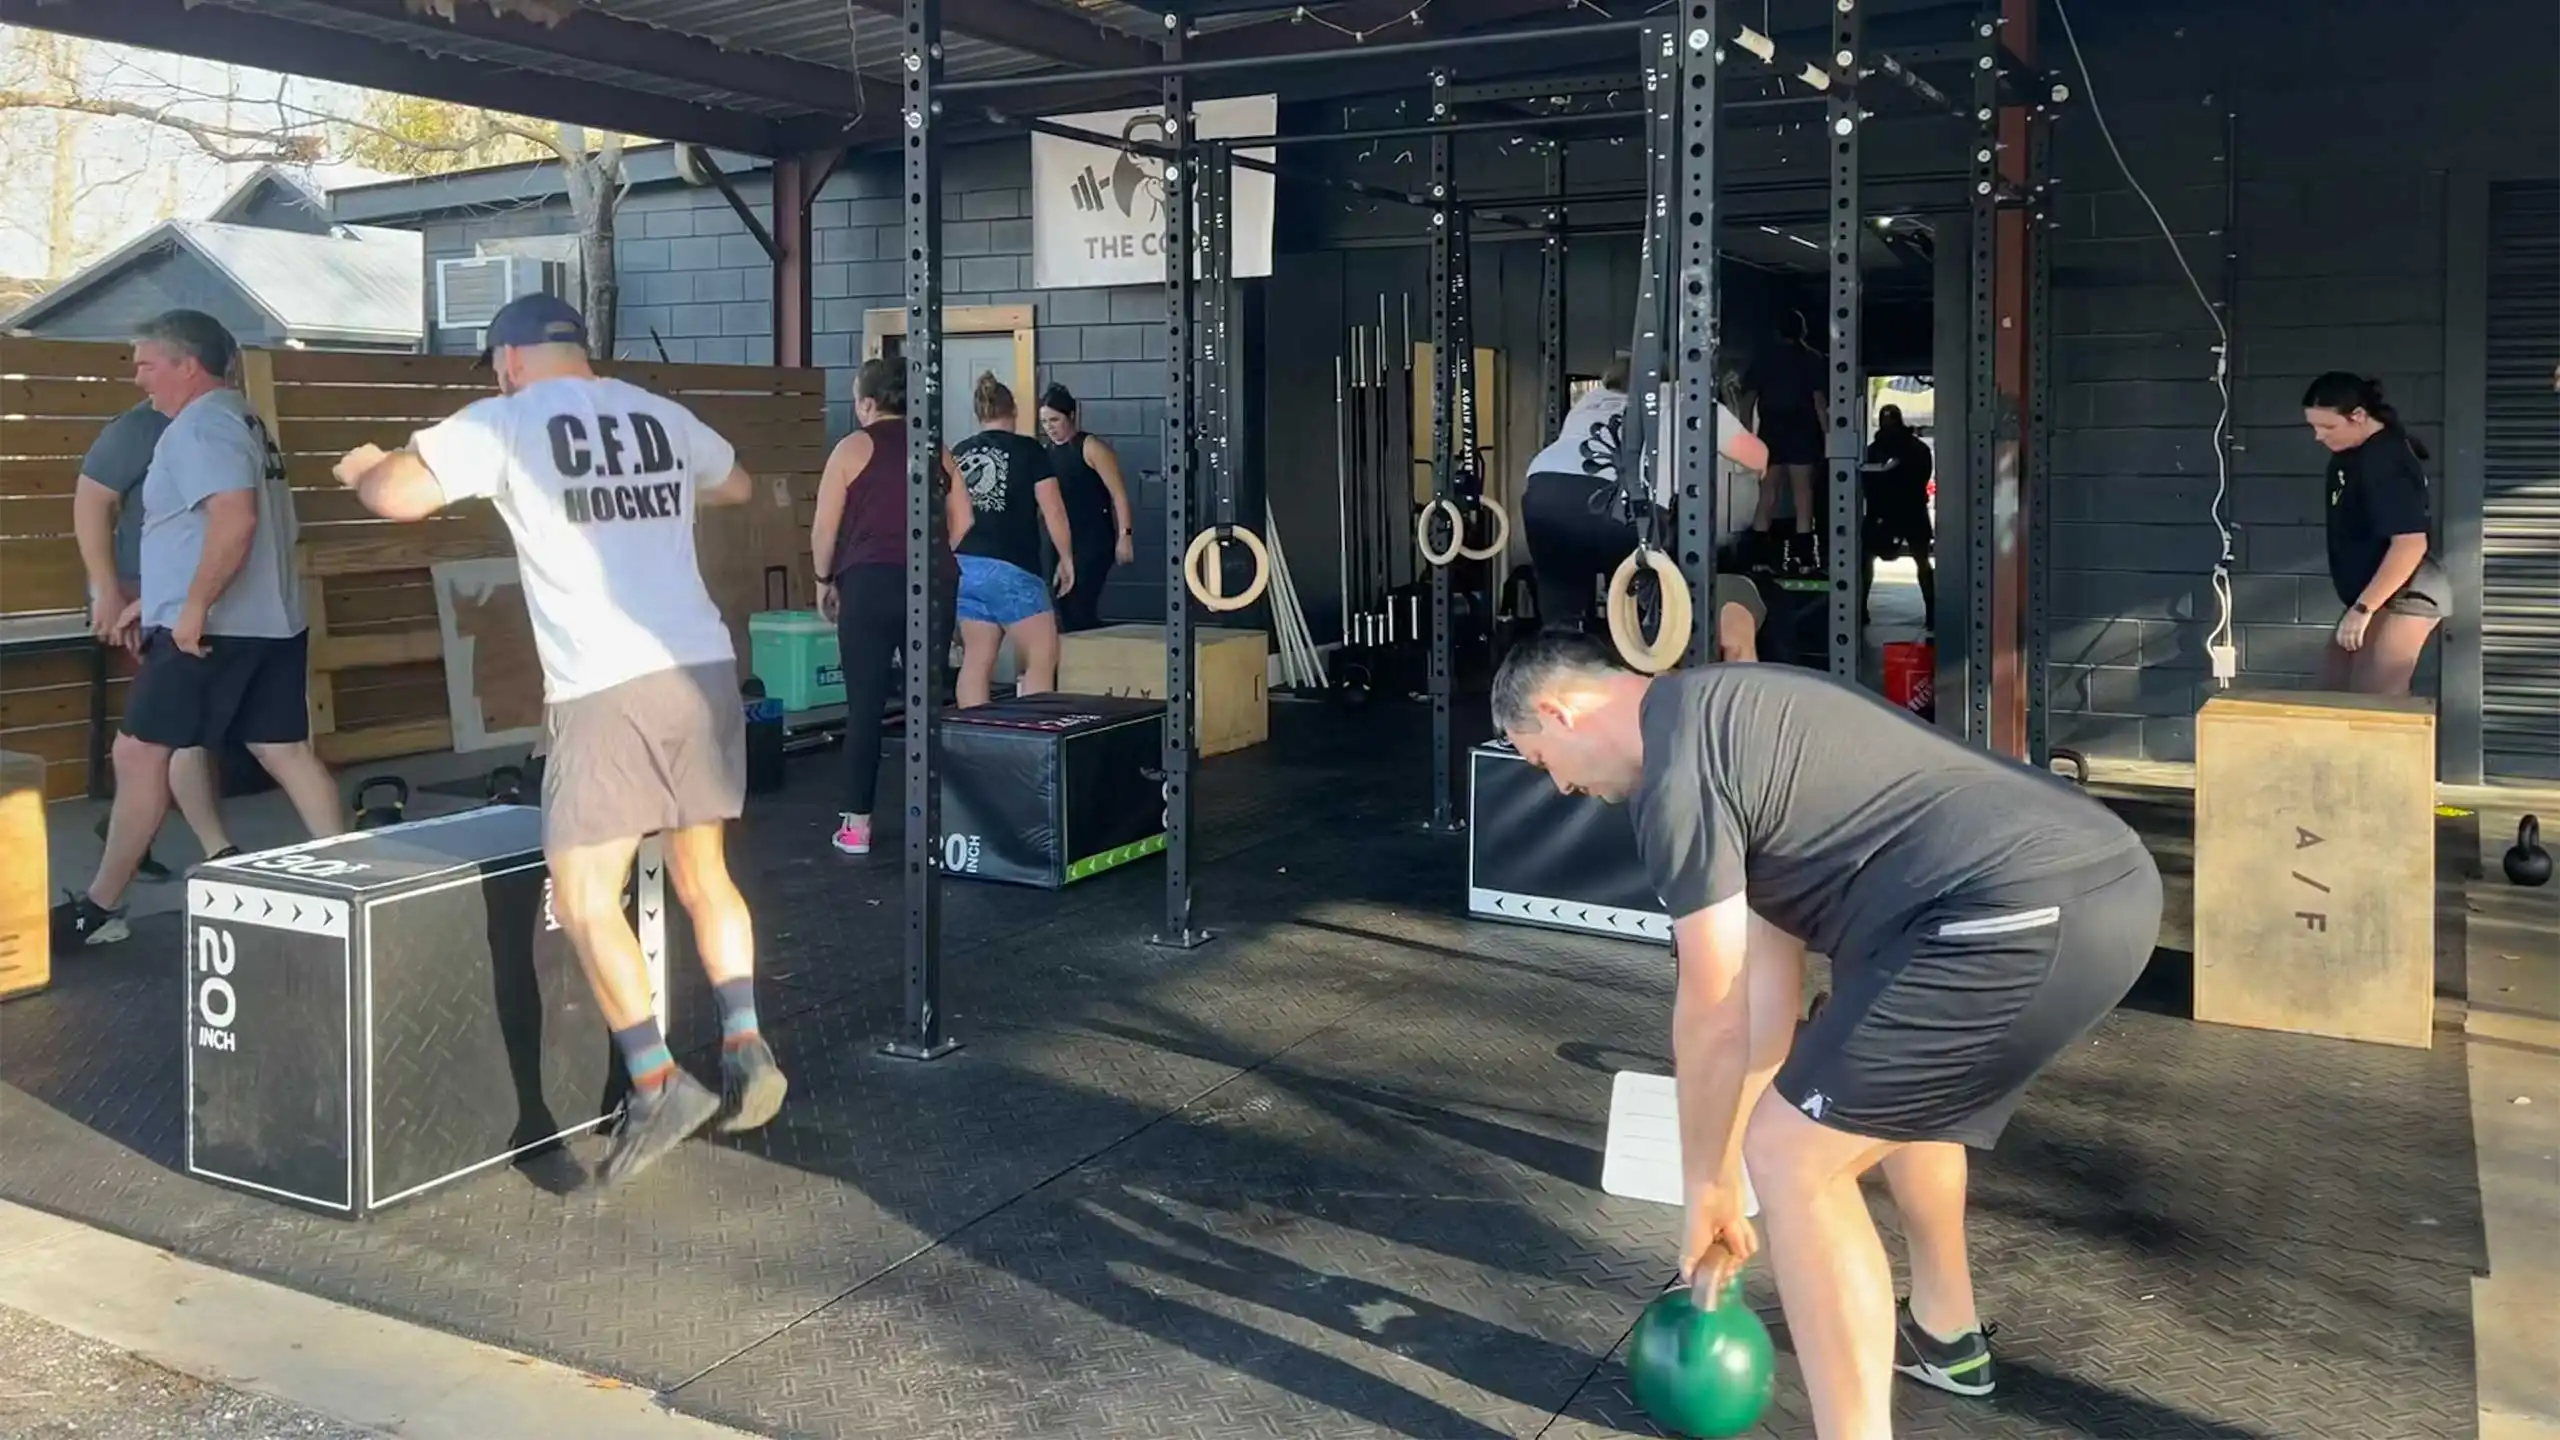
<point x="148" y="869"/>
<point x="225" y="853"/>
<point x="753" y="1084"/>
<point x="655" y="1122"/>
<point x="853" y="837"/>
<point x="1961" y="1366"/>
<point x="79" y="920"/>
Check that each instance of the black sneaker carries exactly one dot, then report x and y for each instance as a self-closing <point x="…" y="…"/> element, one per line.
<point x="79" y="920"/>
<point x="1960" y="1367"/>
<point x="655" y="1122"/>
<point x="754" y="1085"/>
<point x="148" y="869"/>
<point x="225" y="853"/>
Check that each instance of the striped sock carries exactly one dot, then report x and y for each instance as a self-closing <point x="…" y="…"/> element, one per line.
<point x="645" y="1055"/>
<point x="737" y="1012"/>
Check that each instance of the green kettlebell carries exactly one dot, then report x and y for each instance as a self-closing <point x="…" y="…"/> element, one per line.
<point x="1703" y="1373"/>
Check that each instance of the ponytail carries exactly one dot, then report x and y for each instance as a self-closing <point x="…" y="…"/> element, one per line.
<point x="2346" y="392"/>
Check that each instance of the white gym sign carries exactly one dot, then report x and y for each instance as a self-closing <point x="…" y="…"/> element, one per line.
<point x="1097" y="211"/>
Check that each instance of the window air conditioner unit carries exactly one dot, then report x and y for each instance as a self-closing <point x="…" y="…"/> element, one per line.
<point x="469" y="289"/>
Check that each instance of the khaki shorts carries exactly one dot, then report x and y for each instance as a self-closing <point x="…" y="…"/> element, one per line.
<point x="665" y="751"/>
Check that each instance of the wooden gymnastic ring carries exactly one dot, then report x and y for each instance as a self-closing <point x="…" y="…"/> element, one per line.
<point x="1626" y="629"/>
<point x="1457" y="533"/>
<point x="1205" y="544"/>
<point x="1501" y="540"/>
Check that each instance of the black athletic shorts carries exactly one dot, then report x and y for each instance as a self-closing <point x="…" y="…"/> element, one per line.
<point x="243" y="690"/>
<point x="1937" y="1037"/>
<point x="1794" y="437"/>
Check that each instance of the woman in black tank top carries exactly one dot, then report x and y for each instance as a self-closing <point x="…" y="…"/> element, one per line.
<point x="1097" y="505"/>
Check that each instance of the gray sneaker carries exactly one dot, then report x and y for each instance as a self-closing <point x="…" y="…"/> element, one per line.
<point x="655" y="1122"/>
<point x="754" y="1084"/>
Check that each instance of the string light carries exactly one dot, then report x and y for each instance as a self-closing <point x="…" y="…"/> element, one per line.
<point x="1304" y="15"/>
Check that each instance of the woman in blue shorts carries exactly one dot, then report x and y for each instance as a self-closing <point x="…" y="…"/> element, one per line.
<point x="1013" y="497"/>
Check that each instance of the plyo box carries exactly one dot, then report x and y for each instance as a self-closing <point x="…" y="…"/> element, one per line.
<point x="2315" y="865"/>
<point x="1539" y="857"/>
<point x="1046" y="790"/>
<point x="1232" y="677"/>
<point x="26" y="895"/>
<point x="379" y="1013"/>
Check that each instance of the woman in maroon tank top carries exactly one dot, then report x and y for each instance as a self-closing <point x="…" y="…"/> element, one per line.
<point x="858" y="546"/>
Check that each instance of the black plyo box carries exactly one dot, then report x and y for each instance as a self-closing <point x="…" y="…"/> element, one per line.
<point x="1536" y="856"/>
<point x="379" y="1013"/>
<point x="1050" y="789"/>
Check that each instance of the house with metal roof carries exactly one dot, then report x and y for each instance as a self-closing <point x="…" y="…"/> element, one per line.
<point x="270" y="262"/>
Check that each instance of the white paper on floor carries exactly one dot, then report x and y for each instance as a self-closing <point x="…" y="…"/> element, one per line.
<point x="1642" y="1161"/>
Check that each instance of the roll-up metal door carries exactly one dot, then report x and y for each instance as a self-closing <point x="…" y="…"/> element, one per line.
<point x="2520" y="518"/>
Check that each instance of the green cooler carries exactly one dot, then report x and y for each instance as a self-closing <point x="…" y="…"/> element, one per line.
<point x="794" y="653"/>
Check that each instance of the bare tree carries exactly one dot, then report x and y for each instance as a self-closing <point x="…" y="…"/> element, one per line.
<point x="391" y="133"/>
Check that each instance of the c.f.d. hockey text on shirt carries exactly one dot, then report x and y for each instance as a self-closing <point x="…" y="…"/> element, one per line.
<point x="645" y="450"/>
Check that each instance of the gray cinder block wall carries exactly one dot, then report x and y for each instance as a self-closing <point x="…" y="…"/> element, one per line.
<point x="2337" y="261"/>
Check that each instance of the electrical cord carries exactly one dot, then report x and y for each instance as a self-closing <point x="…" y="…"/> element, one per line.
<point x="2218" y="646"/>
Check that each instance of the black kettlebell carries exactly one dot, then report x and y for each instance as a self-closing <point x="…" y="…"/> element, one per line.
<point x="2527" y="863"/>
<point x="373" y="816"/>
<point x="506" y="786"/>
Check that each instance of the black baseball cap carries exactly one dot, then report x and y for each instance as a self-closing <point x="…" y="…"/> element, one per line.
<point x="536" y="319"/>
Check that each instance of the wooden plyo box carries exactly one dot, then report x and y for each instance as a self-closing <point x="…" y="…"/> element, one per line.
<point x="26" y="939"/>
<point x="1128" y="660"/>
<point x="2315" y="865"/>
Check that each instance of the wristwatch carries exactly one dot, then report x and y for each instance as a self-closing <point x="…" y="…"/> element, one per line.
<point x="2361" y="608"/>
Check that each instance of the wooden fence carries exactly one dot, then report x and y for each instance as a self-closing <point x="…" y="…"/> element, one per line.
<point x="377" y="685"/>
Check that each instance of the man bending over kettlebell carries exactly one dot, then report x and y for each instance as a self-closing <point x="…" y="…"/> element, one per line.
<point x="1982" y="917"/>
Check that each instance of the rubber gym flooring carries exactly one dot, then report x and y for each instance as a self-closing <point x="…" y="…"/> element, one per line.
<point x="1335" y="1174"/>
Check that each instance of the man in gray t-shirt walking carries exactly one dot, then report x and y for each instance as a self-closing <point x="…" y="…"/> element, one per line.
<point x="218" y="621"/>
<point x="106" y="519"/>
<point x="1981" y="917"/>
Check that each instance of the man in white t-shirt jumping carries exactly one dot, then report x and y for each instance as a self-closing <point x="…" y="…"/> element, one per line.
<point x="597" y="480"/>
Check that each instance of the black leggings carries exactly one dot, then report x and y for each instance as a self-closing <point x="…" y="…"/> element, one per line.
<point x="1097" y="541"/>
<point x="1575" y="543"/>
<point x="871" y="625"/>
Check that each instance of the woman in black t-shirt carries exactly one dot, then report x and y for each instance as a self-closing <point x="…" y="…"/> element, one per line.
<point x="2395" y="593"/>
<point x="1097" y="505"/>
<point x="1013" y="496"/>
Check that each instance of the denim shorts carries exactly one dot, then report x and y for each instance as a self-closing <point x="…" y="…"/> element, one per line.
<point x="996" y="592"/>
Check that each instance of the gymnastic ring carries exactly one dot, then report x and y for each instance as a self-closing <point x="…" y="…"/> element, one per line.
<point x="1501" y="533"/>
<point x="1626" y="629"/>
<point x="1206" y="544"/>
<point x="1457" y="533"/>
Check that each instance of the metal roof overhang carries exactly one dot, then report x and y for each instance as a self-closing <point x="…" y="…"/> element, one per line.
<point x="768" y="77"/>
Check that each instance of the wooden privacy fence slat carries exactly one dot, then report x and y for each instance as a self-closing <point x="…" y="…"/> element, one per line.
<point x="57" y="705"/>
<point x="37" y="576"/>
<point x="35" y="519"/>
<point x="421" y="403"/>
<point x="377" y="689"/>
<point x="69" y="359"/>
<point x="48" y="438"/>
<point x="104" y="399"/>
<point x="56" y="476"/>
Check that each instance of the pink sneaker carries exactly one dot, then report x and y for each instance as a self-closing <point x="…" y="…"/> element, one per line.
<point x="853" y="837"/>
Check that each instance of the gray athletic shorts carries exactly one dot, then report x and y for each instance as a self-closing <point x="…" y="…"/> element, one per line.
<point x="665" y="751"/>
